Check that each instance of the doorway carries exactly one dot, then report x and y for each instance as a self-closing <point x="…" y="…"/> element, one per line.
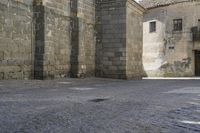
<point x="197" y="63"/>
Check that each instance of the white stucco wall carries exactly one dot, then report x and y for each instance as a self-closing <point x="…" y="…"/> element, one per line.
<point x="158" y="58"/>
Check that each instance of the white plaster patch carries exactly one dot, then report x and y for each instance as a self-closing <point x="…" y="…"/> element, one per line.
<point x="153" y="66"/>
<point x="186" y="90"/>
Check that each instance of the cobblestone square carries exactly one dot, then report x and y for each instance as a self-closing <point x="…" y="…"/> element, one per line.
<point x="95" y="105"/>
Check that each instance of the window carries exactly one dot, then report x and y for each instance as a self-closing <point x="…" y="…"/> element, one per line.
<point x="177" y="24"/>
<point x="152" y="27"/>
<point x="171" y="47"/>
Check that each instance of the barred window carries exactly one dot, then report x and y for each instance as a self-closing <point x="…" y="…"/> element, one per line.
<point x="152" y="27"/>
<point x="178" y="25"/>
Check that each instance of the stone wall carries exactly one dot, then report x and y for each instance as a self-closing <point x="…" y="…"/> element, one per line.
<point x="111" y="39"/>
<point x="119" y="42"/>
<point x="52" y="39"/>
<point x="16" y="39"/>
<point x="83" y="38"/>
<point x="134" y="43"/>
<point x="153" y="43"/>
<point x="69" y="39"/>
<point x="46" y="39"/>
<point x="167" y="52"/>
<point x="55" y="39"/>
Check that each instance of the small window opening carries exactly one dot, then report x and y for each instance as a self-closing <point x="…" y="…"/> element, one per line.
<point x="178" y="25"/>
<point x="152" y="27"/>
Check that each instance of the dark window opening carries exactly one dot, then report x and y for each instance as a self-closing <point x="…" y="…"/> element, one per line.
<point x="171" y="47"/>
<point x="152" y="27"/>
<point x="178" y="25"/>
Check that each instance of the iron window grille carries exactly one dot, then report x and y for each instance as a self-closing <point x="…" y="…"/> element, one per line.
<point x="178" y="24"/>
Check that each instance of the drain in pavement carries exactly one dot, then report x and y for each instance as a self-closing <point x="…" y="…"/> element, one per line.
<point x="97" y="100"/>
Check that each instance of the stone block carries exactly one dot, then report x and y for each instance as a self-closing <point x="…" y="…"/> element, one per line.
<point x="1" y="55"/>
<point x="1" y="75"/>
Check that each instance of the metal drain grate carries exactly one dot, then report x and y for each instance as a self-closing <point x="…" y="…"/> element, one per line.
<point x="97" y="100"/>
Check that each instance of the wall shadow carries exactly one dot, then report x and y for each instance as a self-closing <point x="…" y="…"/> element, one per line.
<point x="39" y="18"/>
<point x="74" y="24"/>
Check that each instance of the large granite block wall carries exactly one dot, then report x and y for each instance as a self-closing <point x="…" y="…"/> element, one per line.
<point x="83" y="38"/>
<point x="68" y="39"/>
<point x="46" y="39"/>
<point x="52" y="56"/>
<point x="134" y="44"/>
<point x="119" y="35"/>
<point x="16" y="39"/>
<point x="111" y="39"/>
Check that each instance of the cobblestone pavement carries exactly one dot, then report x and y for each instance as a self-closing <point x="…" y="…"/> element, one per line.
<point x="100" y="106"/>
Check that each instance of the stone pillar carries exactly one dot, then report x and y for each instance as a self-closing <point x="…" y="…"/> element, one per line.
<point x="119" y="40"/>
<point x="77" y="68"/>
<point x="52" y="42"/>
<point x="134" y="40"/>
<point x="82" y="39"/>
<point x="39" y="40"/>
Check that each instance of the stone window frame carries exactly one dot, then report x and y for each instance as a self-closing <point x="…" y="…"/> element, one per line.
<point x="152" y="26"/>
<point x="178" y="24"/>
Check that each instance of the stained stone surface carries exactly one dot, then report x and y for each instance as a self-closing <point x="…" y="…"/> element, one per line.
<point x="47" y="39"/>
<point x="15" y="40"/>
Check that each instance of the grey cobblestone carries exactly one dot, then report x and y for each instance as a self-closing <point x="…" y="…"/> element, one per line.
<point x="75" y="106"/>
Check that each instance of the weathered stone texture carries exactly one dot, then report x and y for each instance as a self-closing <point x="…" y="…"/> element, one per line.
<point x="55" y="39"/>
<point x="83" y="38"/>
<point x="134" y="45"/>
<point x="15" y="40"/>
<point x="118" y="56"/>
<point x="111" y="44"/>
<point x="44" y="39"/>
<point x="69" y="41"/>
